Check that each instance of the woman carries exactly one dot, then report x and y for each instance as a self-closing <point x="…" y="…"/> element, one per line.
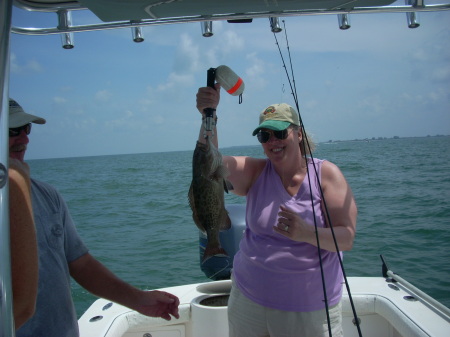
<point x="277" y="284"/>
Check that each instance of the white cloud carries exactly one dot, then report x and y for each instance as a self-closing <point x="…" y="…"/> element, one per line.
<point x="34" y="66"/>
<point x="257" y="72"/>
<point x="158" y="119"/>
<point x="30" y="66"/>
<point x="187" y="55"/>
<point x="59" y="100"/>
<point x="176" y="80"/>
<point x="126" y="120"/>
<point x="83" y="124"/>
<point x="231" y="42"/>
<point x="103" y="95"/>
<point x="441" y="73"/>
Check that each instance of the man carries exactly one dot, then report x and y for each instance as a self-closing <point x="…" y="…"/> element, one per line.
<point x="63" y="254"/>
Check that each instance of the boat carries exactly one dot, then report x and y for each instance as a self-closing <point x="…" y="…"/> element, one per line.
<point x="387" y="305"/>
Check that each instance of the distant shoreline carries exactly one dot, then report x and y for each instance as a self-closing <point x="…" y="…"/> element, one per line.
<point x="380" y="138"/>
<point x="351" y="140"/>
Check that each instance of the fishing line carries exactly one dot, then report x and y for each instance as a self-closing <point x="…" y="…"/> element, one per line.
<point x="306" y="149"/>
<point x="294" y="94"/>
<point x="219" y="271"/>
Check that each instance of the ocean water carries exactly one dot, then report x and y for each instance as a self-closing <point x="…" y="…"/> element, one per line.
<point x="132" y="211"/>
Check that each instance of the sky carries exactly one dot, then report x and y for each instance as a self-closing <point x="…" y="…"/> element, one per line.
<point x="110" y="95"/>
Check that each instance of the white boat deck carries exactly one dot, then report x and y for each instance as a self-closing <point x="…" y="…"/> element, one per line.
<point x="382" y="310"/>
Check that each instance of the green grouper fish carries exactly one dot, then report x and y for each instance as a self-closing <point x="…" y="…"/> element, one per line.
<point x="206" y="195"/>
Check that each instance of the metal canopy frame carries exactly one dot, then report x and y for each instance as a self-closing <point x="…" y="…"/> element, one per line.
<point x="68" y="6"/>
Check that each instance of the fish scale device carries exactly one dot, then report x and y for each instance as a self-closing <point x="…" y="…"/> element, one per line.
<point x="230" y="81"/>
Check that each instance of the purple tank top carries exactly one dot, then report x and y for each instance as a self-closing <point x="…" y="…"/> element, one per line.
<point x="275" y="271"/>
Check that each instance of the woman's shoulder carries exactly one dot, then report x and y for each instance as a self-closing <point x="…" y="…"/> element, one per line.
<point x="243" y="172"/>
<point x="331" y="173"/>
<point x="245" y="163"/>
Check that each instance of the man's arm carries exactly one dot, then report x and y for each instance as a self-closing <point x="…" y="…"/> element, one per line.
<point x="24" y="255"/>
<point x="100" y="281"/>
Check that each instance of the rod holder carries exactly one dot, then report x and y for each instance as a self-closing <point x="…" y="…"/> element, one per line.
<point x="344" y="21"/>
<point x="137" y="34"/>
<point x="412" y="17"/>
<point x="65" y="22"/>
<point x="207" y="30"/>
<point x="275" y="24"/>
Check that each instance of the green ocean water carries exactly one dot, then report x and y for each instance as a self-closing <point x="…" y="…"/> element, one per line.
<point x="133" y="214"/>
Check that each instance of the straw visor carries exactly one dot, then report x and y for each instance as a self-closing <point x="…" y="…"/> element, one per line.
<point x="18" y="117"/>
<point x="277" y="117"/>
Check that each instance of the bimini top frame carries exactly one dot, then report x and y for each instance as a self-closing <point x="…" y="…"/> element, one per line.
<point x="136" y="13"/>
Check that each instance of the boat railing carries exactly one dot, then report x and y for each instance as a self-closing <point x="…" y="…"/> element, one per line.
<point x="437" y="306"/>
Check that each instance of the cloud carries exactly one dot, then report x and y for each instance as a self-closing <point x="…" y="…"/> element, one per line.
<point x="59" y="100"/>
<point x="187" y="56"/>
<point x="29" y="66"/>
<point x="176" y="80"/>
<point x="125" y="120"/>
<point x="103" y="95"/>
<point x="441" y="74"/>
<point x="83" y="124"/>
<point x="158" y="119"/>
<point x="229" y="44"/>
<point x="256" y="73"/>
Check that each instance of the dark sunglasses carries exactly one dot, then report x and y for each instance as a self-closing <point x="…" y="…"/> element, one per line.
<point x="264" y="136"/>
<point x="13" y="132"/>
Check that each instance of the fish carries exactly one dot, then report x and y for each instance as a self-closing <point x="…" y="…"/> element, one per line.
<point x="206" y="196"/>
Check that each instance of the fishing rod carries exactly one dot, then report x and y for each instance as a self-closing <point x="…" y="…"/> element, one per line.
<point x="305" y="144"/>
<point x="294" y="94"/>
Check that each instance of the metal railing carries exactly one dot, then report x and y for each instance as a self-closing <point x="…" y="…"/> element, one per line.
<point x="416" y="6"/>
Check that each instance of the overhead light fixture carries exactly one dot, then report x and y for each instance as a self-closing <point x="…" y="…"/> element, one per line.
<point x="412" y="17"/>
<point x="275" y="24"/>
<point x="344" y="21"/>
<point x="64" y="22"/>
<point x="137" y="34"/>
<point x="207" y="28"/>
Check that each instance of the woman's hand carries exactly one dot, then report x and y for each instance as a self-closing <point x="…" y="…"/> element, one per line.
<point x="208" y="98"/>
<point x="292" y="226"/>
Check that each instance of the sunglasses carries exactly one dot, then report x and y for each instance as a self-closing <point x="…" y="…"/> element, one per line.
<point x="13" y="132"/>
<point x="264" y="136"/>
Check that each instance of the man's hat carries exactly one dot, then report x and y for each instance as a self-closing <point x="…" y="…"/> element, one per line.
<point x="18" y="117"/>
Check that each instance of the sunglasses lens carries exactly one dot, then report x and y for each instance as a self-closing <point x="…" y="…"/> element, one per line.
<point x="13" y="132"/>
<point x="280" y="134"/>
<point x="263" y="136"/>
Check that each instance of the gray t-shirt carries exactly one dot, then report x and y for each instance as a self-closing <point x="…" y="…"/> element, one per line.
<point x="58" y="244"/>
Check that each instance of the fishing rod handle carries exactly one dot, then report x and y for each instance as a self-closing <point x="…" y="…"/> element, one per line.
<point x="209" y="112"/>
